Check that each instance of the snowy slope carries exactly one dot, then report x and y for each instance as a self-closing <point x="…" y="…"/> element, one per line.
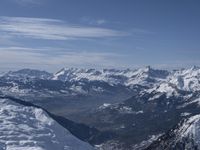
<point x="187" y="79"/>
<point x="111" y="76"/>
<point x="191" y="128"/>
<point x="29" y="128"/>
<point x="186" y="135"/>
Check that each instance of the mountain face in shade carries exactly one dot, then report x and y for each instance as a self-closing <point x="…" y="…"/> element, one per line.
<point x="28" y="74"/>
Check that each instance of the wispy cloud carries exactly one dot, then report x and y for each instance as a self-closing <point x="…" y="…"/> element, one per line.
<point x="51" y="29"/>
<point x="101" y="21"/>
<point x="6" y="40"/>
<point x="177" y="64"/>
<point x="28" y="2"/>
<point x="22" y="57"/>
<point x="91" y="21"/>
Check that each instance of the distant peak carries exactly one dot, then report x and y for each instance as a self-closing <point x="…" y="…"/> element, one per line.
<point x="148" y="68"/>
<point x="29" y="72"/>
<point x="195" y="67"/>
<point x="66" y="69"/>
<point x="145" y="69"/>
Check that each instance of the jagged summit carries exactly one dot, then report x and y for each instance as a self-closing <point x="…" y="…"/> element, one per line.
<point x="112" y="76"/>
<point x="195" y="67"/>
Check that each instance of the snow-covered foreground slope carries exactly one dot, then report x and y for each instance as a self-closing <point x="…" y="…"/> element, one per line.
<point x="29" y="128"/>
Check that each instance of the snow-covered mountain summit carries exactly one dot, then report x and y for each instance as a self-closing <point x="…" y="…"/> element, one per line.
<point x="186" y="79"/>
<point x="183" y="79"/>
<point x="111" y="76"/>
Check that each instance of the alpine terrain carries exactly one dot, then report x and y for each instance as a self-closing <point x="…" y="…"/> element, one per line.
<point x="109" y="109"/>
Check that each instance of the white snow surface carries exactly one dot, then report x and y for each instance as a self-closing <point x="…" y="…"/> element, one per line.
<point x="104" y="106"/>
<point x="29" y="128"/>
<point x="186" y="79"/>
<point x="191" y="129"/>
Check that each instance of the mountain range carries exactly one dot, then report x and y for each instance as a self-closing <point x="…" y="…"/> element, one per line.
<point x="127" y="109"/>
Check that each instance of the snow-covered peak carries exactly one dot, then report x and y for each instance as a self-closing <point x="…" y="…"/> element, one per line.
<point x="112" y="76"/>
<point x="183" y="79"/>
<point x="68" y="74"/>
<point x="179" y="80"/>
<point x="186" y="79"/>
<point x="29" y="128"/>
<point x="147" y="75"/>
<point x="195" y="68"/>
<point x="167" y="88"/>
<point x="126" y="77"/>
<point x="161" y="80"/>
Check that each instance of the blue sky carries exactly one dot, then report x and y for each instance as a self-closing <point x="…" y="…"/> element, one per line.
<point x="52" y="34"/>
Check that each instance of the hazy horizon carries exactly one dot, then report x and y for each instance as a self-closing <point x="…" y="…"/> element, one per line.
<point x="117" y="68"/>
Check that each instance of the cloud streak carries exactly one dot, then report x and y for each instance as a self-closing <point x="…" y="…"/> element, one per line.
<point x="52" y="29"/>
<point x="27" y="2"/>
<point x="91" y="21"/>
<point x="14" y="58"/>
<point x="22" y="57"/>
